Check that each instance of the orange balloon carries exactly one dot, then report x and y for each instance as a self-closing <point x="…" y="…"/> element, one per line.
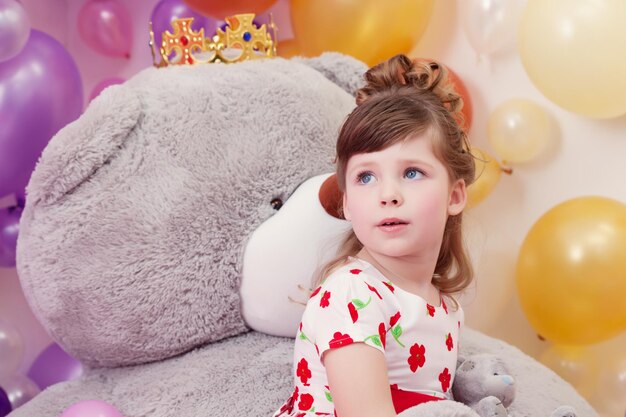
<point x="288" y="48"/>
<point x="221" y="9"/>
<point x="571" y="271"/>
<point x="369" y="30"/>
<point x="467" y="102"/>
<point x="460" y="88"/>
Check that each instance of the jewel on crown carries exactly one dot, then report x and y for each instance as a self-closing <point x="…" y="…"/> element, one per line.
<point x="240" y="40"/>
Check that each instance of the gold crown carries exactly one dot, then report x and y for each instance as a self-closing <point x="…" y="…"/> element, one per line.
<point x="241" y="40"/>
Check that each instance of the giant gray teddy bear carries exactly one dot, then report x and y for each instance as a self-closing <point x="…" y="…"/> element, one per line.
<point x="180" y="211"/>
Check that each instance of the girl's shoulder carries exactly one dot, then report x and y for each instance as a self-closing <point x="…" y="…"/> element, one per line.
<point x="355" y="276"/>
<point x="351" y="268"/>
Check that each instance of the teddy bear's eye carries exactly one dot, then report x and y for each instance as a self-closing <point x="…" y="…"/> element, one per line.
<point x="276" y="203"/>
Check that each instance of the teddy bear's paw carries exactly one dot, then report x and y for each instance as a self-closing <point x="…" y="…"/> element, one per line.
<point x="491" y="407"/>
<point x="564" y="411"/>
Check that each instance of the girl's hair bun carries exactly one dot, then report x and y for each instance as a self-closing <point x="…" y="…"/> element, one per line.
<point x="424" y="76"/>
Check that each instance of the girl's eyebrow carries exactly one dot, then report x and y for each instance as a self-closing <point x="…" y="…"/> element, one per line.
<point x="417" y="162"/>
<point x="368" y="164"/>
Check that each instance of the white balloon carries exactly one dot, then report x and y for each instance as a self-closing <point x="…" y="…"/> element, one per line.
<point x="490" y="25"/>
<point x="11" y="348"/>
<point x="19" y="389"/>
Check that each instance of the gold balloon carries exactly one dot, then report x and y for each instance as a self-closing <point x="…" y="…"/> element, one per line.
<point x="578" y="365"/>
<point x="370" y="30"/>
<point x="518" y="130"/>
<point x="488" y="172"/>
<point x="571" y="271"/>
<point x="573" y="51"/>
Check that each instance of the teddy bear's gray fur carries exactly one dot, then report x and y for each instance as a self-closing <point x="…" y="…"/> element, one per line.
<point x="136" y="219"/>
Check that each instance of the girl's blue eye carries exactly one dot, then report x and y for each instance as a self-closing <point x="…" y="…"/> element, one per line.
<point x="413" y="173"/>
<point x="365" y="178"/>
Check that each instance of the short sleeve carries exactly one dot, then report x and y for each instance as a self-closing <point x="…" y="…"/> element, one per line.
<point x="351" y="306"/>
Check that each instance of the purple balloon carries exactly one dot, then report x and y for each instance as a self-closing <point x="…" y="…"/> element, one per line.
<point x="91" y="408"/>
<point x="9" y="229"/>
<point x="54" y="365"/>
<point x="41" y="92"/>
<point x="106" y="26"/>
<point x="14" y="28"/>
<point x="104" y="84"/>
<point x="5" y="404"/>
<point x="167" y="10"/>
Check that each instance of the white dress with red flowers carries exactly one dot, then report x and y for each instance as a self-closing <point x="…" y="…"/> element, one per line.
<point x="356" y="303"/>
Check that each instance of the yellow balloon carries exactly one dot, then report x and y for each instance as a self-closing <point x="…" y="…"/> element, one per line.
<point x="571" y="271"/>
<point x="518" y="130"/>
<point x="370" y="30"/>
<point x="488" y="172"/>
<point x="578" y="365"/>
<point x="573" y="51"/>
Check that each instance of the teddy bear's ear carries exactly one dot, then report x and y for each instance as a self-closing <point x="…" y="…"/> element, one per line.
<point x="331" y="197"/>
<point x="78" y="150"/>
<point x="343" y="70"/>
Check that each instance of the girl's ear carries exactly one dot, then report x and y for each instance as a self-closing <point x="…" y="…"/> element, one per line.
<point x="458" y="197"/>
<point x="346" y="212"/>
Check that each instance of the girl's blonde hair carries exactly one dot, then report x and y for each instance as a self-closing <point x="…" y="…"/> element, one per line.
<point x="404" y="98"/>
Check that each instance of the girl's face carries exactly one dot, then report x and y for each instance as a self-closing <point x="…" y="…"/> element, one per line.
<point x="398" y="199"/>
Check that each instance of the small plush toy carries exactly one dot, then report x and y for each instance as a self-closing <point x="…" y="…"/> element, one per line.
<point x="482" y="381"/>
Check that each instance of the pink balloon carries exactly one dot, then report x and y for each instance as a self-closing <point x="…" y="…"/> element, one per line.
<point x="104" y="84"/>
<point x="91" y="408"/>
<point x="14" y="28"/>
<point x="106" y="26"/>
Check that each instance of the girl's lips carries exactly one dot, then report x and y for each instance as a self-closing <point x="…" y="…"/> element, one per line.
<point x="391" y="221"/>
<point x="391" y="228"/>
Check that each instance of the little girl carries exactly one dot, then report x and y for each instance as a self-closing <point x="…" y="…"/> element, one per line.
<point x="380" y="334"/>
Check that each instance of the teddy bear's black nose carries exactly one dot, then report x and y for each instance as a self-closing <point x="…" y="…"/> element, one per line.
<point x="276" y="203"/>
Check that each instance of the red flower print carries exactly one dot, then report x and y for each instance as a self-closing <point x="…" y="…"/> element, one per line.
<point x="394" y="319"/>
<point x="449" y="342"/>
<point x="393" y="386"/>
<point x="353" y="313"/>
<point x="314" y="293"/>
<point x="355" y="271"/>
<point x="431" y="310"/>
<point x="288" y="406"/>
<point x="324" y="301"/>
<point x="300" y="326"/>
<point x="317" y="349"/>
<point x="444" y="378"/>
<point x="418" y="357"/>
<point x="306" y="402"/>
<point x="374" y="290"/>
<point x="340" y="340"/>
<point x="459" y="323"/>
<point x="382" y="333"/>
<point x="303" y="371"/>
<point x="389" y="286"/>
<point x="443" y="304"/>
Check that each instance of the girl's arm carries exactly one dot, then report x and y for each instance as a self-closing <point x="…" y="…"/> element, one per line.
<point x="357" y="377"/>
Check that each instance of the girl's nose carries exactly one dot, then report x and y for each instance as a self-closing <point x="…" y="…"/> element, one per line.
<point x="393" y="202"/>
<point x="390" y="196"/>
